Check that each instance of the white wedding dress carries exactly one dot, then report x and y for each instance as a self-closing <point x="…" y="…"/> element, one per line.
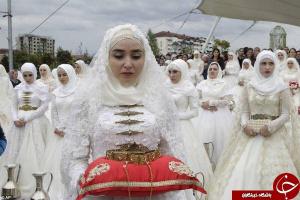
<point x="88" y="140"/>
<point x="253" y="163"/>
<point x="197" y="158"/>
<point x="214" y="127"/>
<point x="26" y="145"/>
<point x="61" y="107"/>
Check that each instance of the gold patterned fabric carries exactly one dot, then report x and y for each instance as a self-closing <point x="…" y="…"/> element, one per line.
<point x="27" y="107"/>
<point x="133" y="153"/>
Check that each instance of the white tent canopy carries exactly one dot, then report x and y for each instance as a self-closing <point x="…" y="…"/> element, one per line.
<point x="283" y="11"/>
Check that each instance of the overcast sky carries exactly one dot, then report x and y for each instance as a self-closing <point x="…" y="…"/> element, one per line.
<point x="86" y="21"/>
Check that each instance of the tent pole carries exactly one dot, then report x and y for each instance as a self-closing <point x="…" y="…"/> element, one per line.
<point x="212" y="30"/>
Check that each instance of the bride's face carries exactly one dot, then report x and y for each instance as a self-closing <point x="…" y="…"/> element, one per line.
<point x="290" y="64"/>
<point x="126" y="60"/>
<point x="280" y="56"/>
<point x="62" y="76"/>
<point x="175" y="75"/>
<point x="213" y="71"/>
<point x="266" y="67"/>
<point x="246" y="65"/>
<point x="43" y="71"/>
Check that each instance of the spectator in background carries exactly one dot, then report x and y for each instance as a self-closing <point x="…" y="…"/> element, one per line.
<point x="185" y="57"/>
<point x="250" y="55"/>
<point x="292" y="53"/>
<point x="205" y="59"/>
<point x="2" y="141"/>
<point x="216" y="57"/>
<point x="298" y="56"/>
<point x="14" y="77"/>
<point x="241" y="56"/>
<point x="179" y="56"/>
<point x="286" y="49"/>
<point x="256" y="51"/>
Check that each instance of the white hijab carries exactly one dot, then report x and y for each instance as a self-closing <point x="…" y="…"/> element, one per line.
<point x="295" y="68"/>
<point x="184" y="86"/>
<point x="247" y="73"/>
<point x="40" y="88"/>
<point x="71" y="86"/>
<point x="4" y="81"/>
<point x="48" y="76"/>
<point x="232" y="66"/>
<point x="83" y="67"/>
<point x="282" y="63"/>
<point x="272" y="84"/>
<point x="112" y="92"/>
<point x="214" y="87"/>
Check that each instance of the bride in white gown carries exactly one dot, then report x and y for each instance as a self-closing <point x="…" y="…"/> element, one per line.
<point x="27" y="139"/>
<point x="215" y="119"/>
<point x="257" y="152"/>
<point x="127" y="85"/>
<point x="186" y="99"/>
<point x="6" y="96"/>
<point x="61" y="108"/>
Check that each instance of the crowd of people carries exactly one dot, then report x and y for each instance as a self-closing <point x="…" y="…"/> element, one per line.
<point x="233" y="117"/>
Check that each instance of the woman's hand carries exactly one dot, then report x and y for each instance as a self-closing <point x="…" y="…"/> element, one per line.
<point x="249" y="131"/>
<point x="59" y="133"/>
<point x="264" y="131"/>
<point x="241" y="83"/>
<point x="19" y="123"/>
<point x="205" y="105"/>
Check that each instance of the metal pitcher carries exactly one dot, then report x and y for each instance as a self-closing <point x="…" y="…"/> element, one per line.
<point x="10" y="189"/>
<point x="40" y="193"/>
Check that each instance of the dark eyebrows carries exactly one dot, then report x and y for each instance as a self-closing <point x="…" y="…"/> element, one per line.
<point x="122" y="51"/>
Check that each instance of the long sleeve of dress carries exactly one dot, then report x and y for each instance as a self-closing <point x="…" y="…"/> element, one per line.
<point x="171" y="142"/>
<point x="245" y="111"/>
<point x="14" y="106"/>
<point x="76" y="148"/>
<point x="54" y="114"/>
<point x="192" y="111"/>
<point x="284" y="115"/>
<point x="39" y="112"/>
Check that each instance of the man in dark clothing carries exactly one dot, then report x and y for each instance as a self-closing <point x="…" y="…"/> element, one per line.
<point x="14" y="78"/>
<point x="2" y="141"/>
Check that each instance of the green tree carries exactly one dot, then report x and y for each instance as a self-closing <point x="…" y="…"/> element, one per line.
<point x="223" y="44"/>
<point x="63" y="57"/>
<point x="5" y="62"/>
<point x="152" y="42"/>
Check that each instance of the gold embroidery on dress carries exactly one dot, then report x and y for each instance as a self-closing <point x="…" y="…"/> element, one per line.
<point x="131" y="106"/>
<point x="98" y="170"/>
<point x="129" y="122"/>
<point x="180" y="168"/>
<point x="129" y="113"/>
<point x="129" y="132"/>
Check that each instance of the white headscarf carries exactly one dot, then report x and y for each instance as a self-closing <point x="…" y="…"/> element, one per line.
<point x="246" y="73"/>
<point x="83" y="67"/>
<point x="40" y="88"/>
<point x="215" y="87"/>
<point x="3" y="73"/>
<point x="272" y="84"/>
<point x="112" y="92"/>
<point x="184" y="86"/>
<point x="282" y="63"/>
<point x="48" y="76"/>
<point x="232" y="66"/>
<point x="71" y="86"/>
<point x="4" y="80"/>
<point x="295" y="68"/>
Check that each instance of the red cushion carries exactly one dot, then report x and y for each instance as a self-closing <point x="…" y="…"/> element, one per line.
<point x="115" y="178"/>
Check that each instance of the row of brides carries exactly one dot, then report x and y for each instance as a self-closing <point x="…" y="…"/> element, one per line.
<point x="211" y="126"/>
